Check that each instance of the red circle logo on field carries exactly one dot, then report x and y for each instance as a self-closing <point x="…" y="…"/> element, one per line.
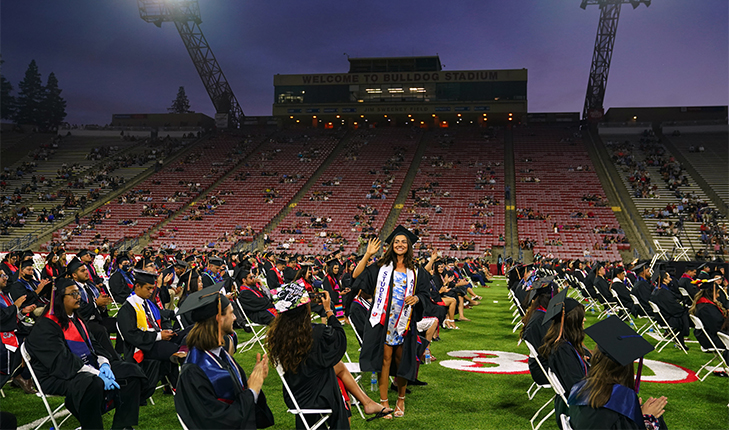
<point x="512" y="363"/>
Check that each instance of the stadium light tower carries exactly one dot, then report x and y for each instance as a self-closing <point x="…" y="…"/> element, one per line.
<point x="186" y="16"/>
<point x="603" y="53"/>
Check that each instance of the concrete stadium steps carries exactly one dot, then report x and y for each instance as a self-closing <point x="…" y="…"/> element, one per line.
<point x="246" y="206"/>
<point x="690" y="237"/>
<point x="355" y="183"/>
<point x="453" y="158"/>
<point x="712" y="164"/>
<point x="17" y="146"/>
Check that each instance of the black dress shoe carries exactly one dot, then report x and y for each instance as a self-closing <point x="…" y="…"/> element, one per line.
<point x="417" y="382"/>
<point x="24" y="384"/>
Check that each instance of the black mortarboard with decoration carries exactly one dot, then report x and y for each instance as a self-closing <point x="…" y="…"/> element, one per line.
<point x="143" y="277"/>
<point x="400" y="229"/>
<point x="620" y="343"/>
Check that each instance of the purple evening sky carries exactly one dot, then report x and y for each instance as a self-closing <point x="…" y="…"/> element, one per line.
<point x="107" y="60"/>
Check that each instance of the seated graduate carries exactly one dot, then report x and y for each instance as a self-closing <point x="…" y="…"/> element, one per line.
<point x="642" y="288"/>
<point x="618" y="285"/>
<point x="305" y="277"/>
<point x="452" y="299"/>
<point x="601" y="285"/>
<point x="562" y="346"/>
<point x="214" y="272"/>
<point x="69" y="362"/>
<point x="671" y="307"/>
<point x="310" y="355"/>
<point x="121" y="282"/>
<point x="274" y="274"/>
<point x="140" y="328"/>
<point x="94" y="304"/>
<point x="714" y="316"/>
<point x="213" y="391"/>
<point x="533" y="330"/>
<point x="11" y="315"/>
<point x="608" y="397"/>
<point x="32" y="289"/>
<point x="256" y="304"/>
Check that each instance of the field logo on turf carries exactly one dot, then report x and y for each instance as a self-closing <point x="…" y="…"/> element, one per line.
<point x="512" y="363"/>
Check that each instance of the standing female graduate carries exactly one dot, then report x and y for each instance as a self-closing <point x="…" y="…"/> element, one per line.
<point x="398" y="288"/>
<point x="608" y="397"/>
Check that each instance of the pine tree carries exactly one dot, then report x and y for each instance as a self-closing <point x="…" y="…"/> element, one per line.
<point x="180" y="104"/>
<point x="53" y="110"/>
<point x="7" y="101"/>
<point x="30" y="97"/>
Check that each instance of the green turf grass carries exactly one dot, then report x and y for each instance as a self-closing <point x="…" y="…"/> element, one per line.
<point x="456" y="399"/>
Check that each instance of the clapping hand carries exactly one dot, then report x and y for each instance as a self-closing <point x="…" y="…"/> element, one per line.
<point x="654" y="406"/>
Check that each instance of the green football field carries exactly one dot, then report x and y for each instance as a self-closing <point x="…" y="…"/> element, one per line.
<point x="459" y="399"/>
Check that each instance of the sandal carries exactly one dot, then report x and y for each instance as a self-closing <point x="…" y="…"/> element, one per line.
<point x="381" y="414"/>
<point x="399" y="413"/>
<point x="477" y="298"/>
<point x="387" y="416"/>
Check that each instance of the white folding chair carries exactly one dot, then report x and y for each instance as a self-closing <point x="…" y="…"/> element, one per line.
<point x="535" y="387"/>
<point x="662" y="324"/>
<point x="258" y="331"/>
<point x="565" y="422"/>
<point x="682" y="251"/>
<point x="302" y="413"/>
<point x="51" y="413"/>
<point x="699" y="325"/>
<point x="660" y="253"/>
<point x="622" y="309"/>
<point x="179" y="418"/>
<point x="643" y="314"/>
<point x="548" y="403"/>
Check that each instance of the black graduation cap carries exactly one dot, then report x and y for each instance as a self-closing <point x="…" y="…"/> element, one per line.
<point x="181" y="264"/>
<point x="83" y="252"/>
<point x="541" y="286"/>
<point x="618" y="270"/>
<point x="74" y="265"/>
<point x="142" y="277"/>
<point x="639" y="268"/>
<point x="559" y="302"/>
<point x="123" y="258"/>
<point x="216" y="261"/>
<point x="190" y="259"/>
<point x="618" y="341"/>
<point x="28" y="253"/>
<point x="281" y="261"/>
<point x="509" y="260"/>
<point x="701" y="266"/>
<point x="402" y="230"/>
<point x="514" y="267"/>
<point x="189" y="275"/>
<point x="203" y="304"/>
<point x="26" y="263"/>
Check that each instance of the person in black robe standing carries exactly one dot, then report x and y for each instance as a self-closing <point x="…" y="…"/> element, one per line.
<point x="398" y="288"/>
<point x="608" y="397"/>
<point x="213" y="391"/>
<point x="675" y="313"/>
<point x="563" y="345"/>
<point x="69" y="362"/>
<point x="310" y="355"/>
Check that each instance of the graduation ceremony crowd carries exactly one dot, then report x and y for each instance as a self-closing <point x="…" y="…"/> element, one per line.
<point x="106" y="336"/>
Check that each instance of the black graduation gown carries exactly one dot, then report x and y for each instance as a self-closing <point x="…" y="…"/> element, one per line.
<point x="333" y="294"/>
<point x="672" y="310"/>
<point x="272" y="279"/>
<point x="118" y="286"/>
<point x="255" y="305"/>
<point x="568" y="368"/>
<point x="288" y="274"/>
<point x="713" y="319"/>
<point x="57" y="370"/>
<point x="602" y="287"/>
<point x="642" y="290"/>
<point x="534" y="333"/>
<point x="623" y="295"/>
<point x="434" y="306"/>
<point x="373" y="344"/>
<point x="199" y="407"/>
<point x="8" y="360"/>
<point x="314" y="385"/>
<point x="686" y="284"/>
<point x="587" y="418"/>
<point x="18" y="289"/>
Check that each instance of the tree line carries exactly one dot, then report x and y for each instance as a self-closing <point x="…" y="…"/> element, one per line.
<point x="35" y="104"/>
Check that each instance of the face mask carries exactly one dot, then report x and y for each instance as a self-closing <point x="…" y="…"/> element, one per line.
<point x="125" y="267"/>
<point x="28" y="277"/>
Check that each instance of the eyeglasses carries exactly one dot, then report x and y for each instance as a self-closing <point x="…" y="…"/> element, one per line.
<point x="4" y="275"/>
<point x="75" y="294"/>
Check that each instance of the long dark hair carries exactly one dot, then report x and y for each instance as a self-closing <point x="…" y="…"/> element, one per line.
<point x="290" y="338"/>
<point x="59" y="309"/>
<point x="302" y="273"/>
<point x="390" y="257"/>
<point x="603" y="374"/>
<point x="542" y="300"/>
<point x="573" y="332"/>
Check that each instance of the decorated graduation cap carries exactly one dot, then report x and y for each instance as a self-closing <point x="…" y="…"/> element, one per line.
<point x="400" y="230"/>
<point x="541" y="286"/>
<point x="289" y="297"/>
<point x="143" y="277"/>
<point x="620" y="343"/>
<point x="559" y="305"/>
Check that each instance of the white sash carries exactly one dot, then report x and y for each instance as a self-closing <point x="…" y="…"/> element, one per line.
<point x="382" y="292"/>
